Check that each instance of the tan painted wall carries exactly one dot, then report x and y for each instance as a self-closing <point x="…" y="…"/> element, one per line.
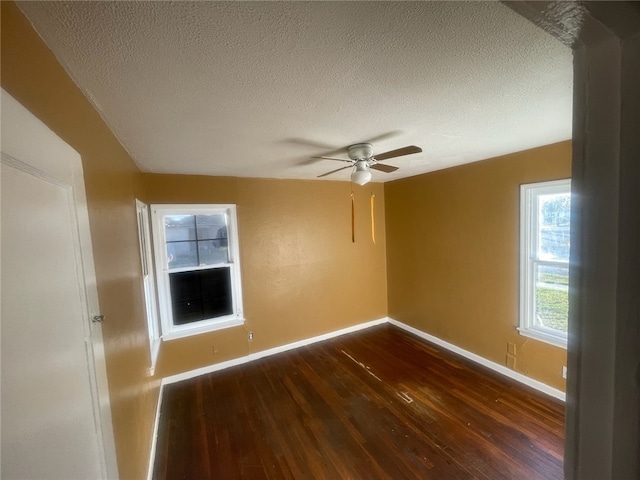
<point x="32" y="75"/>
<point x="452" y="256"/>
<point x="300" y="270"/>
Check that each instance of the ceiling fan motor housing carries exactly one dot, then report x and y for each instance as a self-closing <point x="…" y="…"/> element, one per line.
<point x="360" y="151"/>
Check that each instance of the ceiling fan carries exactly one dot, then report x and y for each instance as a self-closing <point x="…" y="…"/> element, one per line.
<point x="362" y="158"/>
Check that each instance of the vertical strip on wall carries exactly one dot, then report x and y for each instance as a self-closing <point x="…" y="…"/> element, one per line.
<point x="373" y="220"/>
<point x="353" y="221"/>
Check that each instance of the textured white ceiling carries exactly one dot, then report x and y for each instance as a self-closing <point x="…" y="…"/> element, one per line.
<point x="256" y="88"/>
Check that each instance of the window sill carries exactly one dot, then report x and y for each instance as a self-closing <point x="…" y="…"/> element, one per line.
<point x="544" y="336"/>
<point x="210" y="327"/>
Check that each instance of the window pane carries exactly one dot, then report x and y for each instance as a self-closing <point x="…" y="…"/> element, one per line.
<point x="552" y="297"/>
<point x="179" y="227"/>
<point x="553" y="226"/>
<point x="213" y="251"/>
<point x="216" y="292"/>
<point x="187" y="312"/>
<point x="182" y="254"/>
<point x="200" y="295"/>
<point x="211" y="227"/>
<point x="186" y="297"/>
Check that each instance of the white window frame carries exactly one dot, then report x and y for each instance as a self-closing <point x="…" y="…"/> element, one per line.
<point x="528" y="247"/>
<point x="148" y="282"/>
<point x="169" y="330"/>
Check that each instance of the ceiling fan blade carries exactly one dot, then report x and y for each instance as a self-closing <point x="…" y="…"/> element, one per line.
<point x="383" y="167"/>
<point x="336" y="159"/>
<point x="333" y="171"/>
<point x="305" y="142"/>
<point x="384" y="136"/>
<point x="398" y="153"/>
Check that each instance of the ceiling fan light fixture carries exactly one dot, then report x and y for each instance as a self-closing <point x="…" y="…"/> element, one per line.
<point x="362" y="174"/>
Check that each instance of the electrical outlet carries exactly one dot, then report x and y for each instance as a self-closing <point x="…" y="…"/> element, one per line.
<point x="250" y="336"/>
<point x="214" y="349"/>
<point x="511" y="362"/>
<point x="564" y="371"/>
<point x="511" y="348"/>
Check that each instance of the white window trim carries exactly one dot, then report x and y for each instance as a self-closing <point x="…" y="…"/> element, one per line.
<point x="528" y="239"/>
<point x="169" y="330"/>
<point x="149" y="290"/>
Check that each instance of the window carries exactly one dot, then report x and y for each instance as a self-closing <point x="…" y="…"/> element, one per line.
<point x="544" y="260"/>
<point x="148" y="281"/>
<point x="197" y="266"/>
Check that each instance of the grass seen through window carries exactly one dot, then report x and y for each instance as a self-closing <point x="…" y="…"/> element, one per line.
<point x="552" y="301"/>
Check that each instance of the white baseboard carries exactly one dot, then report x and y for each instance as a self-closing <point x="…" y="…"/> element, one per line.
<point x="542" y="387"/>
<point x="272" y="351"/>
<point x="154" y="439"/>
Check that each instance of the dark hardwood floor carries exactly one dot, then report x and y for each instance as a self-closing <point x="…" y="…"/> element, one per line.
<point x="375" y="404"/>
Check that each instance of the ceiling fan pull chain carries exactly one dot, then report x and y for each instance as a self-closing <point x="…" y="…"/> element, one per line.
<point x="353" y="221"/>
<point x="373" y="220"/>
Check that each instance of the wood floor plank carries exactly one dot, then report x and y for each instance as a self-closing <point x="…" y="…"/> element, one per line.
<point x="375" y="404"/>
